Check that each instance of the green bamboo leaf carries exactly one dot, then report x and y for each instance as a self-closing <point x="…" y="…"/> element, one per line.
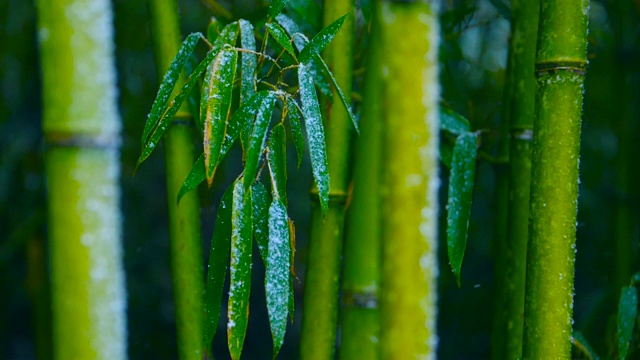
<point x="309" y="11"/>
<point x="217" y="93"/>
<point x="168" y="83"/>
<point x="463" y="168"/>
<point x="276" y="7"/>
<point x="580" y="342"/>
<point x="453" y="122"/>
<point x="296" y="130"/>
<point x="277" y="274"/>
<point x="260" y="219"/>
<point x="343" y="99"/>
<point x="446" y="152"/>
<point x="213" y="30"/>
<point x="281" y="38"/>
<point x="321" y="40"/>
<point x="277" y="160"/>
<point x="257" y="140"/>
<point x="627" y="311"/>
<point x="196" y="177"/>
<point x="242" y="120"/>
<point x="248" y="61"/>
<point x="240" y="269"/>
<point x="315" y="134"/>
<point x="218" y="261"/>
<point x="635" y="279"/>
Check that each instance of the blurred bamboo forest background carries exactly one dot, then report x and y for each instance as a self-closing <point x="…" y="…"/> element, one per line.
<point x="473" y="58"/>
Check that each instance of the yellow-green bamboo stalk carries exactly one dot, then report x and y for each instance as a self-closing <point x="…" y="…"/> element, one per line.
<point x="560" y="68"/>
<point x="81" y="128"/>
<point x="184" y="218"/>
<point x="320" y="311"/>
<point x="410" y="39"/>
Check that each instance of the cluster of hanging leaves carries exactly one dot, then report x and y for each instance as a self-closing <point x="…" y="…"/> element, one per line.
<point x="460" y="158"/>
<point x="247" y="209"/>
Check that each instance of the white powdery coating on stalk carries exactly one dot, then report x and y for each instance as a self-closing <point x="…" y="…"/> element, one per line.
<point x="277" y="272"/>
<point x="98" y="211"/>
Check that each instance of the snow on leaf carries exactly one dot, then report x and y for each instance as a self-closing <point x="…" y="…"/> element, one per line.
<point x="258" y="139"/>
<point x="461" y="181"/>
<point x="242" y="120"/>
<point x="315" y="134"/>
<point x="240" y="268"/>
<point x="218" y="261"/>
<point x="277" y="273"/>
<point x="627" y="311"/>
<point x="260" y="218"/>
<point x="248" y="60"/>
<point x="343" y="99"/>
<point x="296" y="129"/>
<point x="453" y="122"/>
<point x="196" y="177"/>
<point x="277" y="160"/>
<point x="276" y="7"/>
<point x="321" y="40"/>
<point x="281" y="38"/>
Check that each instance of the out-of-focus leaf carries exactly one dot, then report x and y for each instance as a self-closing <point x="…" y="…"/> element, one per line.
<point x="315" y="134"/>
<point x="365" y="5"/>
<point x="627" y="311"/>
<point x="217" y="92"/>
<point x="260" y="219"/>
<point x="635" y="279"/>
<point x="248" y="61"/>
<point x="276" y="7"/>
<point x="193" y="98"/>
<point x="277" y="159"/>
<point x="213" y="30"/>
<point x="281" y="38"/>
<point x="196" y="177"/>
<point x="240" y="279"/>
<point x="580" y="342"/>
<point x="296" y="129"/>
<point x="453" y="122"/>
<point x="463" y="169"/>
<point x="321" y="40"/>
<point x="242" y="120"/>
<point x="277" y="273"/>
<point x="502" y="8"/>
<point x="258" y="139"/>
<point x="218" y="261"/>
<point x="309" y="11"/>
<point x="343" y="99"/>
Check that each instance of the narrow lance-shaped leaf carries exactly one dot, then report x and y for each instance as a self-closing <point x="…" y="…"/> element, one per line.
<point x="213" y="30"/>
<point x="196" y="177"/>
<point x="276" y="7"/>
<point x="453" y="122"/>
<point x="248" y="61"/>
<point x="627" y="311"/>
<point x="580" y="342"/>
<point x="277" y="160"/>
<point x="321" y="40"/>
<point x="218" y="261"/>
<point x="240" y="269"/>
<point x="168" y="83"/>
<point x="194" y="95"/>
<point x="242" y="120"/>
<point x="277" y="279"/>
<point x="258" y="139"/>
<point x="260" y="219"/>
<point x="343" y="99"/>
<point x="217" y="95"/>
<point x="315" y="134"/>
<point x="463" y="169"/>
<point x="281" y="38"/>
<point x="296" y="129"/>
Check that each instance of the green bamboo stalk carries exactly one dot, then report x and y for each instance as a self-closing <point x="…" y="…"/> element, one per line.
<point x="184" y="218"/>
<point x="360" y="316"/>
<point x="410" y="39"/>
<point x="81" y="128"/>
<point x="560" y="68"/>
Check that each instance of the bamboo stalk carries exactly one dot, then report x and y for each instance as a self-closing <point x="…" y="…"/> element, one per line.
<point x="81" y="128"/>
<point x="320" y="311"/>
<point x="184" y="218"/>
<point x="560" y="68"/>
<point x="410" y="39"/>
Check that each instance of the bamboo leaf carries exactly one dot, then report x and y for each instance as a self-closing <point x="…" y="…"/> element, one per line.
<point x="580" y="342"/>
<point x="281" y="38"/>
<point x="217" y="94"/>
<point x="315" y="134"/>
<point x="196" y="177"/>
<point x="453" y="122"/>
<point x="343" y="99"/>
<point x="218" y="261"/>
<point x="463" y="168"/>
<point x="240" y="269"/>
<point x="248" y="61"/>
<point x="296" y="129"/>
<point x="627" y="311"/>
<point x="635" y="279"/>
<point x="277" y="160"/>
<point x="277" y="281"/>
<point x="258" y="138"/>
<point x="194" y="95"/>
<point x="446" y="152"/>
<point x="242" y="120"/>
<point x="213" y="30"/>
<point x="321" y="40"/>
<point x="309" y="11"/>
<point x="276" y="7"/>
<point x="260" y="219"/>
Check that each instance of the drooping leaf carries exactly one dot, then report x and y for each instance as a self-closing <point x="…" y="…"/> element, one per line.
<point x="242" y="120"/>
<point x="277" y="159"/>
<point x="260" y="219"/>
<point x="453" y="122"/>
<point x="281" y="38"/>
<point x="196" y="177"/>
<point x="240" y="268"/>
<point x="315" y="134"/>
<point x="213" y="30"/>
<point x="463" y="168"/>
<point x="218" y="261"/>
<point x="194" y="96"/>
<point x="248" y="61"/>
<point x="217" y="93"/>
<point x="627" y="312"/>
<point x="296" y="129"/>
<point x="276" y="7"/>
<point x="580" y="342"/>
<point x="309" y="11"/>
<point x="321" y="40"/>
<point x="277" y="281"/>
<point x="343" y="99"/>
<point x="257" y="140"/>
<point x="169" y="83"/>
